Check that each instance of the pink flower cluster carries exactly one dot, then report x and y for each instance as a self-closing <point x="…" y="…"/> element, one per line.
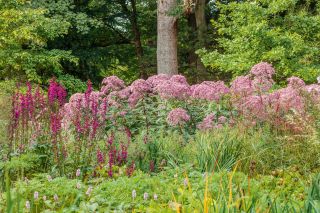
<point x="178" y="116"/>
<point x="296" y="82"/>
<point x="209" y="90"/>
<point x="27" y="107"/>
<point x="56" y="93"/>
<point x="110" y="84"/>
<point x="116" y="156"/>
<point x="250" y="95"/>
<point x="36" y="116"/>
<point x="114" y="90"/>
<point x="209" y="122"/>
<point x="253" y="100"/>
<point x="242" y="86"/>
<point x="138" y="89"/>
<point x="262" y="69"/>
<point x="155" y="80"/>
<point x="176" y="87"/>
<point x="259" y="81"/>
<point x="85" y="111"/>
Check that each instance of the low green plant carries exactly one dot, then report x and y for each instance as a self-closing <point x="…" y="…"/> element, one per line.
<point x="180" y="189"/>
<point x="218" y="150"/>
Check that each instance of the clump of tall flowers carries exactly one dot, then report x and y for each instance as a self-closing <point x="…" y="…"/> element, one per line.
<point x="84" y="117"/>
<point x="85" y="130"/>
<point x="36" y="120"/>
<point x="94" y="116"/>
<point x="253" y="98"/>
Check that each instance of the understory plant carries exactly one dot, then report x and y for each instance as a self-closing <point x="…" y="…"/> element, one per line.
<point x="119" y="125"/>
<point x="180" y="189"/>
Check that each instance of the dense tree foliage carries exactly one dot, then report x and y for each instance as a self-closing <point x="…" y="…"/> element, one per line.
<point x="282" y="32"/>
<point x="91" y="39"/>
<point x="25" y="32"/>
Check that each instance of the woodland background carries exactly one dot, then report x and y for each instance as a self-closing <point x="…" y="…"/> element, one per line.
<point x="77" y="40"/>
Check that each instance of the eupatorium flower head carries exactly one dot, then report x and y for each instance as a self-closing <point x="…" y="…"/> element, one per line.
<point x="170" y="89"/>
<point x="255" y="106"/>
<point x="155" y="80"/>
<point x="209" y="90"/>
<point x="179" y="79"/>
<point x="178" y="116"/>
<point x="112" y="83"/>
<point x="262" y="69"/>
<point x="286" y="99"/>
<point x="262" y="84"/>
<point x="296" y="82"/>
<point x="207" y="122"/>
<point x="140" y="86"/>
<point x="134" y="98"/>
<point x="242" y="86"/>
<point x="222" y="119"/>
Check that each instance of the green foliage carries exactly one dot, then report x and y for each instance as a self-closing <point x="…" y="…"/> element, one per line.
<point x="104" y="45"/>
<point x="71" y="83"/>
<point x="222" y="149"/>
<point x="65" y="10"/>
<point x="122" y="71"/>
<point x="313" y="201"/>
<point x="270" y="151"/>
<point x="219" y="152"/>
<point x="181" y="188"/>
<point x="282" y="32"/>
<point x="24" y="34"/>
<point x="6" y="89"/>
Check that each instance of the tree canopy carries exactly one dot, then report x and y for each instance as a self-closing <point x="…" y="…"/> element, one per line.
<point x="285" y="33"/>
<point x="89" y="39"/>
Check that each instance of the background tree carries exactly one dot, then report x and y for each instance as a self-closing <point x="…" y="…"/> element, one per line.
<point x="282" y="32"/>
<point x="197" y="16"/>
<point x="24" y="34"/>
<point x="80" y="40"/>
<point x="167" y="56"/>
<point x="101" y="38"/>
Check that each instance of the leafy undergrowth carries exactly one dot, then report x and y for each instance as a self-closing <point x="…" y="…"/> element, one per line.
<point x="172" y="190"/>
<point x="6" y="89"/>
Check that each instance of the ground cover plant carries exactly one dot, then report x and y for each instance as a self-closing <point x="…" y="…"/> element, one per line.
<point x="163" y="145"/>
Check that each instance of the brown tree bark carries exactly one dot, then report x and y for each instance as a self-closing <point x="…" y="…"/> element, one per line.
<point x="137" y="39"/>
<point x="167" y="54"/>
<point x="201" y="35"/>
<point x="133" y="18"/>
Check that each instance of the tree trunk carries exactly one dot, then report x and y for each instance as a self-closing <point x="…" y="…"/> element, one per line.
<point x="137" y="39"/>
<point x="167" y="56"/>
<point x="201" y="35"/>
<point x="192" y="37"/>
<point x="132" y="15"/>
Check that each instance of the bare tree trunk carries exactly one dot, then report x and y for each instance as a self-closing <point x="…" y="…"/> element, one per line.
<point x="137" y="39"/>
<point x="202" y="33"/>
<point x="167" y="56"/>
<point x="132" y="15"/>
<point x="192" y="37"/>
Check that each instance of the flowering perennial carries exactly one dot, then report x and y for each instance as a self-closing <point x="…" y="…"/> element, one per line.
<point x="178" y="116"/>
<point x="262" y="69"/>
<point x="93" y="115"/>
